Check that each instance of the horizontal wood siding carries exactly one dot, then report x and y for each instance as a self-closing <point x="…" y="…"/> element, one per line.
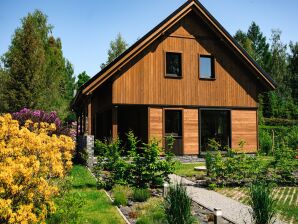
<point x="191" y="131"/>
<point x="155" y="127"/>
<point x="143" y="81"/>
<point x="244" y="127"/>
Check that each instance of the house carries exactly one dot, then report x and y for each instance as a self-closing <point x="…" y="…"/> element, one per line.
<point x="187" y="78"/>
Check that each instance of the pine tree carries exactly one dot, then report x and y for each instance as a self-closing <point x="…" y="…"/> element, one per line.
<point x="293" y="69"/>
<point x="38" y="75"/>
<point x="25" y="63"/>
<point x="117" y="47"/>
<point x="82" y="78"/>
<point x="260" y="47"/>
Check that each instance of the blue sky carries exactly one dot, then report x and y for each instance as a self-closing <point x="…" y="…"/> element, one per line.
<point x="87" y="27"/>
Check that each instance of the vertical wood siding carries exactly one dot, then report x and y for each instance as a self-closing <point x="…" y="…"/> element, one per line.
<point x="143" y="81"/>
<point x="244" y="127"/>
<point x="191" y="131"/>
<point x="155" y="123"/>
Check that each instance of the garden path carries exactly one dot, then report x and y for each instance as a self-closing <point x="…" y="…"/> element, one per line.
<point x="232" y="210"/>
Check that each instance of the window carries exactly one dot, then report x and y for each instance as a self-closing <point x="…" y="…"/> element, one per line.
<point x="173" y="64"/>
<point x="173" y="123"/>
<point x="215" y="124"/>
<point x="206" y="67"/>
<point x="173" y="127"/>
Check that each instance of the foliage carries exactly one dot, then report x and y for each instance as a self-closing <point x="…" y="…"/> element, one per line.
<point x="68" y="204"/>
<point x="150" y="212"/>
<point x="293" y="68"/>
<point x="121" y="194"/>
<point x="178" y="206"/>
<point x="241" y="168"/>
<point x="29" y="161"/>
<point x="82" y="78"/>
<point x="39" y="116"/>
<point x="36" y="73"/>
<point x="262" y="203"/>
<point x="265" y="141"/>
<point x="284" y="165"/>
<point x="117" y="47"/>
<point x="140" y="194"/>
<point x="137" y="166"/>
<point x="97" y="206"/>
<point x="273" y="58"/>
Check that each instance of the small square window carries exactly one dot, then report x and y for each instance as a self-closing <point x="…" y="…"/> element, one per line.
<point x="206" y="67"/>
<point x="173" y="64"/>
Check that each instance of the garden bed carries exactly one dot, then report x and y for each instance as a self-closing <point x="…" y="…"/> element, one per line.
<point x="151" y="211"/>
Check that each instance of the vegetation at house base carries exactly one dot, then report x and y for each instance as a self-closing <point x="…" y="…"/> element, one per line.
<point x="178" y="206"/>
<point x="117" y="47"/>
<point x="35" y="73"/>
<point x="31" y="158"/>
<point x="140" y="167"/>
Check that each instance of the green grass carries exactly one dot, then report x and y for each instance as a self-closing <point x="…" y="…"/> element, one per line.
<point x="187" y="169"/>
<point x="98" y="208"/>
<point x="286" y="197"/>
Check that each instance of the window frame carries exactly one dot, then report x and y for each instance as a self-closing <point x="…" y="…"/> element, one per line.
<point x="213" y="75"/>
<point x="173" y="76"/>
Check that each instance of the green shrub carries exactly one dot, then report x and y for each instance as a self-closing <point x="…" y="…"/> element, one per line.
<point x="140" y="194"/>
<point x="178" y="206"/>
<point x="150" y="212"/>
<point x="262" y="203"/>
<point x="265" y="140"/>
<point x="68" y="205"/>
<point x="121" y="194"/>
<point x="141" y="167"/>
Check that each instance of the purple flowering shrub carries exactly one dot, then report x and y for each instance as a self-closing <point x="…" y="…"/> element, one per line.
<point x="38" y="116"/>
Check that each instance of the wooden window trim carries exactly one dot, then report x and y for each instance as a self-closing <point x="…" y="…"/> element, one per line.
<point x="172" y="76"/>
<point x="213" y="65"/>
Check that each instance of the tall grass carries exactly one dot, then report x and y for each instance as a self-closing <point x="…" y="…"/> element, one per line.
<point x="262" y="203"/>
<point x="178" y="206"/>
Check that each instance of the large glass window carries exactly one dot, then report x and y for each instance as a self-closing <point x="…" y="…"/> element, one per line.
<point x="215" y="124"/>
<point x="173" y="64"/>
<point x="206" y="67"/>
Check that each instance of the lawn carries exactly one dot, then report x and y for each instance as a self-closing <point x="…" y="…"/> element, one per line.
<point x="286" y="197"/>
<point x="187" y="169"/>
<point x="97" y="207"/>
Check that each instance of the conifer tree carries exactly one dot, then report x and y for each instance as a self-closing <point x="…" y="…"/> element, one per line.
<point x="38" y="75"/>
<point x="117" y="47"/>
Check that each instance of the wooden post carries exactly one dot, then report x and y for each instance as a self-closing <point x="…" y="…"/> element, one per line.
<point x="89" y="108"/>
<point x="115" y="122"/>
<point x="81" y="123"/>
<point x="77" y="128"/>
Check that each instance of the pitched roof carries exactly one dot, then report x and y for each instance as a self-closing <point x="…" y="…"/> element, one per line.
<point x="160" y="29"/>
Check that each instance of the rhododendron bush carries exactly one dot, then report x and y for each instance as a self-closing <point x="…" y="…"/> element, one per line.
<point x="38" y="116"/>
<point x="30" y="160"/>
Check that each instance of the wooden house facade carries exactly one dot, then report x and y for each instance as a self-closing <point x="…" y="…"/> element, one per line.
<point x="187" y="78"/>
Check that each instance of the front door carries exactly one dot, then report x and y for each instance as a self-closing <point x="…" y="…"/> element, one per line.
<point x="173" y="127"/>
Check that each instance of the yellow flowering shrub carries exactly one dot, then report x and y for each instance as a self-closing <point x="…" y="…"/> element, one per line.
<point x="29" y="162"/>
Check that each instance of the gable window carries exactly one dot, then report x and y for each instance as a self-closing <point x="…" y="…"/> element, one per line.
<point x="206" y="64"/>
<point x="173" y="65"/>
